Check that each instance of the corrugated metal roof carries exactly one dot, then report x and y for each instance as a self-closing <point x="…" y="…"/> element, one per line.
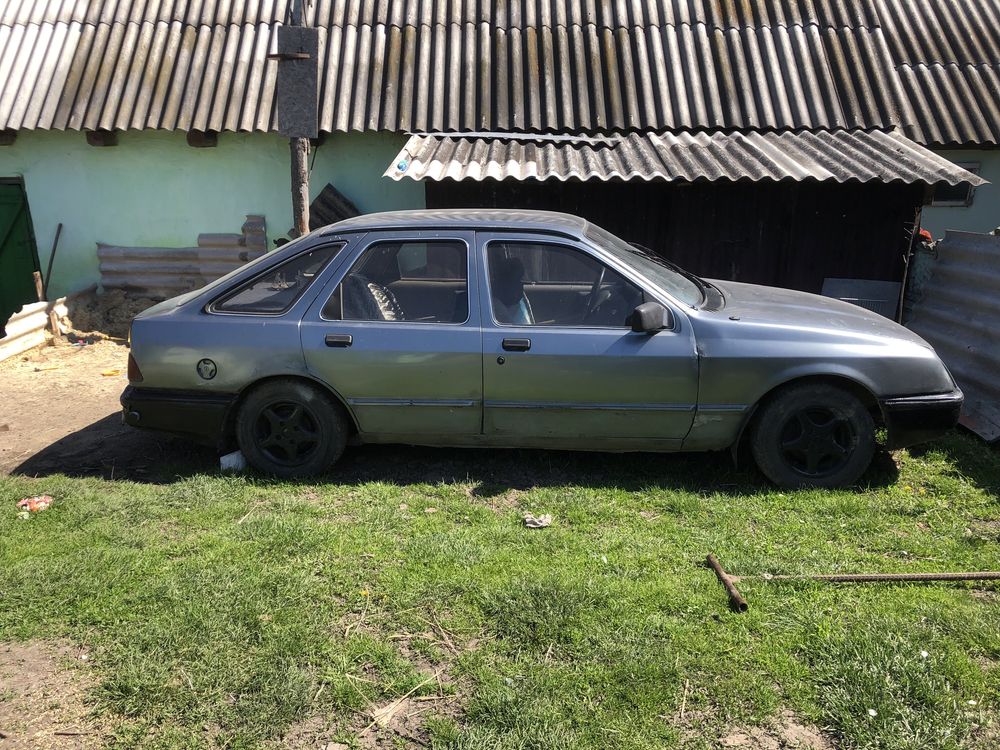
<point x="954" y="104"/>
<point x="837" y="156"/>
<point x="611" y="14"/>
<point x="947" y="54"/>
<point x="537" y="65"/>
<point x="959" y="314"/>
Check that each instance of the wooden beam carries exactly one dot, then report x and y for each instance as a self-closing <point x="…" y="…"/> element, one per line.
<point x="202" y="138"/>
<point x="102" y="138"/>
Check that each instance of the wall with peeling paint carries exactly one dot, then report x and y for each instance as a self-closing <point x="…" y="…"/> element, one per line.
<point x="152" y="189"/>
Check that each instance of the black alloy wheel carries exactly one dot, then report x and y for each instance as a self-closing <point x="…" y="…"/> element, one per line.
<point x="287" y="433"/>
<point x="291" y="429"/>
<point x="817" y="441"/>
<point x="813" y="435"/>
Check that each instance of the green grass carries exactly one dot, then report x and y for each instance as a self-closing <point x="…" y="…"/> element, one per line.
<point x="216" y="607"/>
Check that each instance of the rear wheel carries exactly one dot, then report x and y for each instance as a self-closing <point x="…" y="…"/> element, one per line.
<point x="291" y="429"/>
<point x="813" y="435"/>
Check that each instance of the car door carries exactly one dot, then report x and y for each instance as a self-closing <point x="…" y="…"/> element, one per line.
<point x="561" y="363"/>
<point x="396" y="333"/>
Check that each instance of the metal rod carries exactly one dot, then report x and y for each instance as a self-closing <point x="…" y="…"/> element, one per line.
<point x="52" y="257"/>
<point x="736" y="600"/>
<point x="988" y="575"/>
<point x="739" y="604"/>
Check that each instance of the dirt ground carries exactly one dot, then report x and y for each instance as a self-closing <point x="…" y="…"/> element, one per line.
<point x="42" y="688"/>
<point x="60" y="414"/>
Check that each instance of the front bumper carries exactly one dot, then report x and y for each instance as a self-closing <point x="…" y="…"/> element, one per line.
<point x="191" y="414"/>
<point x="916" y="419"/>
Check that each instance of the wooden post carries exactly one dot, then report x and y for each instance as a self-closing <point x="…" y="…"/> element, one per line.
<point x="300" y="184"/>
<point x="40" y="293"/>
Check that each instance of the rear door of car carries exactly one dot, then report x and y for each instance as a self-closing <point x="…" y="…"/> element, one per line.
<point x="396" y="333"/>
<point x="570" y="376"/>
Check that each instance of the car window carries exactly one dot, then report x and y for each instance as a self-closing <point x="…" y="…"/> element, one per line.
<point x="420" y="282"/>
<point x="655" y="269"/>
<point x="547" y="284"/>
<point x="277" y="290"/>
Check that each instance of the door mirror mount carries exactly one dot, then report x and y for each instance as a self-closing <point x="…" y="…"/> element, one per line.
<point x="650" y="317"/>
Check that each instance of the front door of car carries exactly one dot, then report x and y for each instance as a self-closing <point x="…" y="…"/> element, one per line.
<point x="560" y="361"/>
<point x="396" y="333"/>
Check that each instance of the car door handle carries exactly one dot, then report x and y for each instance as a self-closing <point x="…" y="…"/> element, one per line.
<point x="516" y="345"/>
<point x="342" y="340"/>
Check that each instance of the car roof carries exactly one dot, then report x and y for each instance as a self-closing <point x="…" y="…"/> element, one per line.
<point x="464" y="218"/>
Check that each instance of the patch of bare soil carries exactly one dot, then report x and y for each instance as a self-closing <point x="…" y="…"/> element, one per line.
<point x="785" y="733"/>
<point x="109" y="312"/>
<point x="61" y="415"/>
<point x="42" y="698"/>
<point x="394" y="722"/>
<point x="988" y="531"/>
<point x="986" y="735"/>
<point x="497" y="500"/>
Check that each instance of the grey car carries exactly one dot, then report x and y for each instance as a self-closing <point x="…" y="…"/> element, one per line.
<point x="524" y="329"/>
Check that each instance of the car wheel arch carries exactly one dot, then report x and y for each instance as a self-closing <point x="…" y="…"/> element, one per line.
<point x="316" y="382"/>
<point x="844" y="382"/>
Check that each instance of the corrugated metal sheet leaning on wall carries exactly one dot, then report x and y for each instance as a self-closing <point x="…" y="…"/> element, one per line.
<point x="26" y="329"/>
<point x="959" y="313"/>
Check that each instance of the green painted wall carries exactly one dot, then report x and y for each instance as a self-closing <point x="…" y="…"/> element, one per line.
<point x="152" y="189"/>
<point x="984" y="213"/>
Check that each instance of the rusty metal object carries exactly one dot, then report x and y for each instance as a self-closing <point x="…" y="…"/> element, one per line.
<point x="739" y="603"/>
<point x="736" y="600"/>
<point x="988" y="575"/>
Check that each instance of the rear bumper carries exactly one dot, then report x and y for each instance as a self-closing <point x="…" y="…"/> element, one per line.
<point x="191" y="414"/>
<point x="916" y="419"/>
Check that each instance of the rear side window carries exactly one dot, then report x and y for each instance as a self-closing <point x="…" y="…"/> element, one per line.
<point x="276" y="291"/>
<point x="418" y="282"/>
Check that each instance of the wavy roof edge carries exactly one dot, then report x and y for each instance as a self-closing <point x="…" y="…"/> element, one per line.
<point x="840" y="156"/>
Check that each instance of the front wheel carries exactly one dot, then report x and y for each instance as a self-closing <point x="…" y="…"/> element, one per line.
<point x="813" y="435"/>
<point x="291" y="429"/>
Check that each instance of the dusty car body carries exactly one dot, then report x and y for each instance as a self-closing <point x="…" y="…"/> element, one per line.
<point x="524" y="329"/>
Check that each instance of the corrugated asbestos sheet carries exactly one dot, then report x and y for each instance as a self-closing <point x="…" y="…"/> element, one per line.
<point x="448" y="65"/>
<point x="959" y="314"/>
<point x="602" y="13"/>
<point x="947" y="54"/>
<point x="835" y="156"/>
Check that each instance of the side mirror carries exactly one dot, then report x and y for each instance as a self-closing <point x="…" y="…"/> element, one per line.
<point x="650" y="317"/>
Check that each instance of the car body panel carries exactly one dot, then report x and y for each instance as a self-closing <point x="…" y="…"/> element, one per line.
<point x="399" y="377"/>
<point x="693" y="387"/>
<point x="580" y="382"/>
<point x="749" y="349"/>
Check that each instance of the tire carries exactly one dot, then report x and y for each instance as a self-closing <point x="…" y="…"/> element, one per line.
<point x="291" y="429"/>
<point x="813" y="435"/>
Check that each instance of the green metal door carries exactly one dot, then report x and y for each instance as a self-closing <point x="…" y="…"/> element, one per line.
<point x="18" y="255"/>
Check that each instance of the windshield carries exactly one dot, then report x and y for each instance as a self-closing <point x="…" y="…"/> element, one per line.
<point x="681" y="285"/>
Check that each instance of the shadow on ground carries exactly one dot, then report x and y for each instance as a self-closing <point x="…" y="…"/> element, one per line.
<point x="974" y="459"/>
<point x="110" y="450"/>
<point x="107" y="448"/>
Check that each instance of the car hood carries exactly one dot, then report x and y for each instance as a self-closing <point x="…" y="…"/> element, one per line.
<point x="786" y="307"/>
